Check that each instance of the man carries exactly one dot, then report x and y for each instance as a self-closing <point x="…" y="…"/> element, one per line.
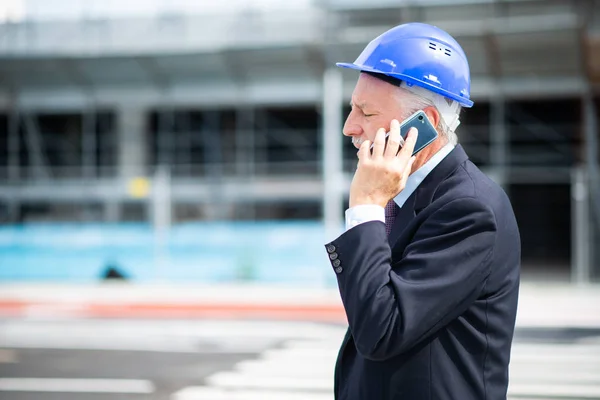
<point x="428" y="268"/>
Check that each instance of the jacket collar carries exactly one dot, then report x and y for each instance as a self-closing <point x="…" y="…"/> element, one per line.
<point x="423" y="196"/>
<point x="426" y="190"/>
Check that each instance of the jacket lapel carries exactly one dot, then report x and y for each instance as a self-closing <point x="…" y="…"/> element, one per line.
<point x="427" y="188"/>
<point x="423" y="195"/>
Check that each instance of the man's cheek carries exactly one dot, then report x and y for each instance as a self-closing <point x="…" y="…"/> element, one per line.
<point x="371" y="130"/>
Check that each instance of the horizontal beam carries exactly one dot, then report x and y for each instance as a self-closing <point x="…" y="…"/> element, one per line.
<point x="231" y="190"/>
<point x="193" y="191"/>
<point x="289" y="92"/>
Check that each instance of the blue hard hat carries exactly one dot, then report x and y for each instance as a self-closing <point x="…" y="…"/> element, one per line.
<point x="421" y="55"/>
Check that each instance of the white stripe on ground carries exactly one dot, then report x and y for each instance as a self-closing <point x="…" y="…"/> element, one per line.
<point x="555" y="391"/>
<point x="238" y="381"/>
<point x="577" y="359"/>
<point x="110" y="344"/>
<point x="536" y="374"/>
<point x="531" y="398"/>
<point x="301" y="354"/>
<point x="204" y="393"/>
<point x="208" y="329"/>
<point x="556" y="348"/>
<point x="575" y="353"/>
<point x="324" y="343"/>
<point x="289" y="368"/>
<point x="214" y="337"/>
<point x="76" y="385"/>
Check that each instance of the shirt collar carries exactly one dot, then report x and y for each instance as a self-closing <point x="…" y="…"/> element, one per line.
<point x="419" y="175"/>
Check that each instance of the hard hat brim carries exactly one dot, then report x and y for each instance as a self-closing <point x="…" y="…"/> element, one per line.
<point x="467" y="103"/>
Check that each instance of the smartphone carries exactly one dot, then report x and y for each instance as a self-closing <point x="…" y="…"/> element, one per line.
<point x="427" y="132"/>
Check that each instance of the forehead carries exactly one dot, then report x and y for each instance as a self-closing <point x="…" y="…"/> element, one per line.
<point x="372" y="91"/>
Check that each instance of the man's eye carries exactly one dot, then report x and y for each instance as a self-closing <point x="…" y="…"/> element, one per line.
<point x="369" y="115"/>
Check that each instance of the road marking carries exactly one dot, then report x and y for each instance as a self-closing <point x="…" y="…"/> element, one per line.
<point x="104" y="345"/>
<point x="290" y="368"/>
<point x="535" y="374"/>
<point x="60" y="385"/>
<point x="204" y="393"/>
<point x="305" y="354"/>
<point x="237" y="380"/>
<point x="202" y="337"/>
<point x="557" y="348"/>
<point x="532" y="398"/>
<point x="555" y="391"/>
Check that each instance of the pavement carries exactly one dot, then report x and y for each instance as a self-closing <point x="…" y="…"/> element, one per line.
<point x="540" y="304"/>
<point x="247" y="342"/>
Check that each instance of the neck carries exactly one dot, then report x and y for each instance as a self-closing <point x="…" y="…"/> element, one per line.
<point x="425" y="155"/>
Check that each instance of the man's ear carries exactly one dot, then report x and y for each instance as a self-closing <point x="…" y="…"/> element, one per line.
<point x="433" y="114"/>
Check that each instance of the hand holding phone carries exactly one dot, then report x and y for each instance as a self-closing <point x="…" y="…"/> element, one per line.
<point x="427" y="132"/>
<point x="383" y="172"/>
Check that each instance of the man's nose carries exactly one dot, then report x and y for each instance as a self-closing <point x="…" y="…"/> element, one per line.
<point x="352" y="129"/>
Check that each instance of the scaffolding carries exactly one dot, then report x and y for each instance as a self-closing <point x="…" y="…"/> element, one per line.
<point x="244" y="109"/>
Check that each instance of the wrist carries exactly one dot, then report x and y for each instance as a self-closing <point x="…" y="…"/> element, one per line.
<point x="365" y="200"/>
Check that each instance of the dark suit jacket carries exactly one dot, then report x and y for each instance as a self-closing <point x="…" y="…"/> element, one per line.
<point x="431" y="308"/>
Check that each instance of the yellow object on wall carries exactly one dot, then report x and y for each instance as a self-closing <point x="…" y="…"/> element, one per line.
<point x="139" y="188"/>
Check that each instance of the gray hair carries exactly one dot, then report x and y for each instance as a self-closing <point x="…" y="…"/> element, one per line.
<point x="414" y="102"/>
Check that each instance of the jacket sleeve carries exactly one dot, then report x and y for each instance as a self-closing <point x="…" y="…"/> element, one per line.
<point x="391" y="308"/>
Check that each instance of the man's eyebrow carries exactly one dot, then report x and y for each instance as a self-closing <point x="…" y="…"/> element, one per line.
<point x="362" y="105"/>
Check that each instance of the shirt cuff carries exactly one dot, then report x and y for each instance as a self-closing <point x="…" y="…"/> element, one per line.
<point x="364" y="213"/>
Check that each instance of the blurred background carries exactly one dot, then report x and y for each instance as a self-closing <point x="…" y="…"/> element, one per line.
<point x="193" y="150"/>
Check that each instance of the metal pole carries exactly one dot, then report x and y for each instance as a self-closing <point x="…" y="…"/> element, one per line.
<point x="580" y="227"/>
<point x="161" y="217"/>
<point x="332" y="152"/>
<point x="591" y="148"/>
<point x="591" y="134"/>
<point x="35" y="146"/>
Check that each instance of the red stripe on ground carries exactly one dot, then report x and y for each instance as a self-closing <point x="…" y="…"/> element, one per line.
<point x="328" y="313"/>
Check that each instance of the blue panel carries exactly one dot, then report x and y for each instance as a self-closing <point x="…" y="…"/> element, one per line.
<point x="286" y="252"/>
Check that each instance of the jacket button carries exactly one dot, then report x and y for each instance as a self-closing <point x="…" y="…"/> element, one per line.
<point x="336" y="263"/>
<point x="338" y="270"/>
<point x="333" y="256"/>
<point x="330" y="248"/>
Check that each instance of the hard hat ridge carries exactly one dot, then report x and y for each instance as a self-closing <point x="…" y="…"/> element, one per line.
<point x="420" y="55"/>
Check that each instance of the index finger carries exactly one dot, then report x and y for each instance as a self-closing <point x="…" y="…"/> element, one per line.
<point x="379" y="143"/>
<point x="395" y="140"/>
<point x="409" y="145"/>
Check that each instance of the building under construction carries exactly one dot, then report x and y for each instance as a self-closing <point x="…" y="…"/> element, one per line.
<point x="236" y="113"/>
